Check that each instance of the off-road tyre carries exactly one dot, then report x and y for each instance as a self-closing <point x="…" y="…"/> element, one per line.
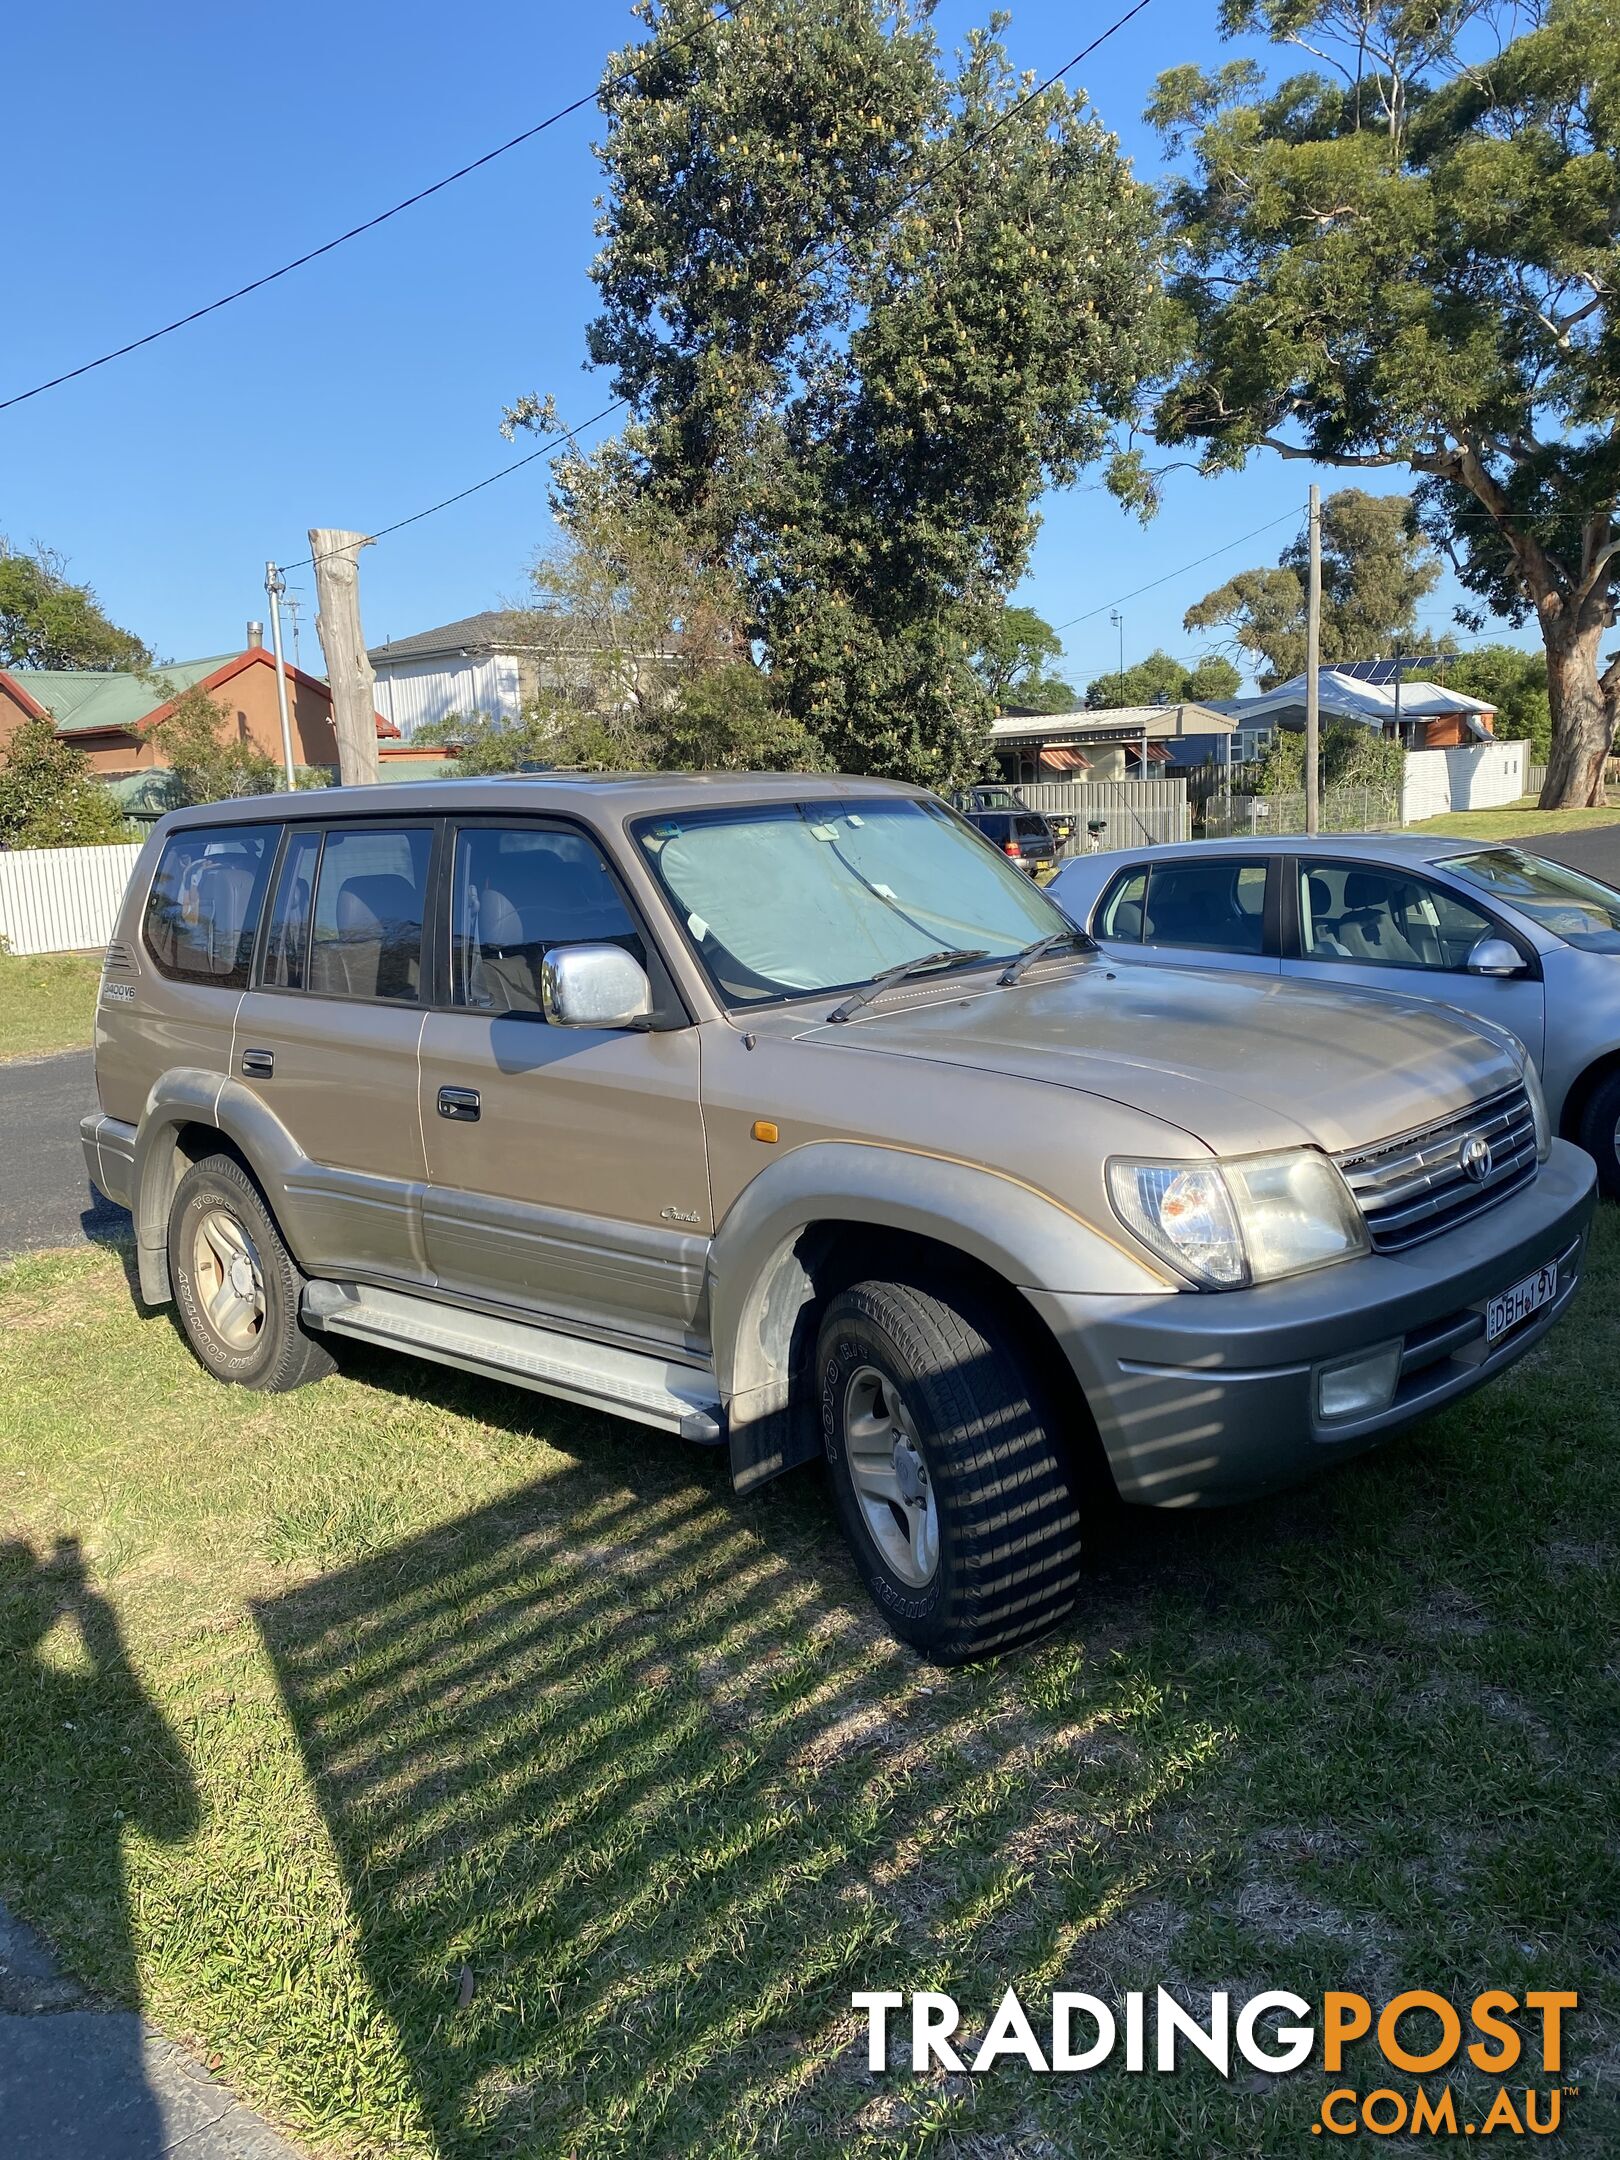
<point x="279" y="1355"/>
<point x="1008" y="1524"/>
<point x="1600" y="1134"/>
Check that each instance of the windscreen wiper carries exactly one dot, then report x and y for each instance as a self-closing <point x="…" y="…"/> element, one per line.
<point x="951" y="956"/>
<point x="1079" y="939"/>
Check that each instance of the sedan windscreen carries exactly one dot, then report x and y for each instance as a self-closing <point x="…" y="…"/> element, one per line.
<point x="1578" y="909"/>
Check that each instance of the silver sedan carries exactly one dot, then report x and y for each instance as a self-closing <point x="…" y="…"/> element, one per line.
<point x="1523" y="942"/>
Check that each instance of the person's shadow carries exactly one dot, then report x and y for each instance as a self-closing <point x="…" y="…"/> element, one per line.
<point x="84" y="1754"/>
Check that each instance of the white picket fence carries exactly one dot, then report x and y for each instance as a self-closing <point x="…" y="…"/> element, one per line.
<point x="62" y="899"/>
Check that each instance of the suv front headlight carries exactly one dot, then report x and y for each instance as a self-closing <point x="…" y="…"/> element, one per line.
<point x="1252" y="1220"/>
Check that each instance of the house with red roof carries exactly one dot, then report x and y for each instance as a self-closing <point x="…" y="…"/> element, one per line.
<point x="110" y="715"/>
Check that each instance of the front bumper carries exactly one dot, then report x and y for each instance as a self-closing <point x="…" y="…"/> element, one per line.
<point x="1206" y="1397"/>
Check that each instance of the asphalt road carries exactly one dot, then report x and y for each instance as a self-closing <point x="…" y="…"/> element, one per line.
<point x="1596" y="850"/>
<point x="45" y="1197"/>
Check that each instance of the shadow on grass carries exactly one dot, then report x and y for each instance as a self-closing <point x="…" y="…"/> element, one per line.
<point x="112" y="1227"/>
<point x="631" y="1790"/>
<point x="91" y="1758"/>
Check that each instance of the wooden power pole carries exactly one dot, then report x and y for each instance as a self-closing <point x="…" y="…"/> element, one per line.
<point x="1313" y="669"/>
<point x="337" y="623"/>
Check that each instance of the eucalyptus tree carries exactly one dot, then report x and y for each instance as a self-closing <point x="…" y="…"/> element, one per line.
<point x="1377" y="565"/>
<point x="1405" y="257"/>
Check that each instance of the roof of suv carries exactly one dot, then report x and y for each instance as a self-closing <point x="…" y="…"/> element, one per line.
<point x="605" y="794"/>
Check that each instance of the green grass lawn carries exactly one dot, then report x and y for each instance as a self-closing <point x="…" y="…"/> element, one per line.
<point x="1516" y="819"/>
<point x="462" y="1773"/>
<point x="47" y="1002"/>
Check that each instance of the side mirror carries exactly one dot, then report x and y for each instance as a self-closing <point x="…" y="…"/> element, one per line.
<point x="1495" y="956"/>
<point x="594" y="986"/>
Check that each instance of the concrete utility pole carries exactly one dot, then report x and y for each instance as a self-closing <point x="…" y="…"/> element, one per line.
<point x="1313" y="668"/>
<point x="274" y="586"/>
<point x="337" y="624"/>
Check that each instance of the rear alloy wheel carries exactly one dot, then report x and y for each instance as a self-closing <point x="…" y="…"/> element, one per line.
<point x="236" y="1287"/>
<point x="1600" y="1134"/>
<point x="959" y="1513"/>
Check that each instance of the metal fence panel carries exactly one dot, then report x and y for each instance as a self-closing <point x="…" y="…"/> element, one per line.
<point x="1348" y="809"/>
<point x="1129" y="811"/>
<point x="62" y="899"/>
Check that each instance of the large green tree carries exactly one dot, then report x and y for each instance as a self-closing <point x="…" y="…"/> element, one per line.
<point x="1161" y="680"/>
<point x="1377" y="565"/>
<point x="46" y="621"/>
<point x="1012" y="659"/>
<point x="1406" y="257"/>
<point x="864" y="312"/>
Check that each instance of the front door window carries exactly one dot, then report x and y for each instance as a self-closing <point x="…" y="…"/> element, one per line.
<point x="520" y="891"/>
<point x="1377" y="917"/>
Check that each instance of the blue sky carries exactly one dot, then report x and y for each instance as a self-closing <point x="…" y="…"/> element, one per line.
<point x="166" y="156"/>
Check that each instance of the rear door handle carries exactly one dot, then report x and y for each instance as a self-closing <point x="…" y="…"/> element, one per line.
<point x="461" y="1104"/>
<point x="258" y="1064"/>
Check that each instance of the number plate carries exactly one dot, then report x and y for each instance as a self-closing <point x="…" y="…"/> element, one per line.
<point x="1505" y="1311"/>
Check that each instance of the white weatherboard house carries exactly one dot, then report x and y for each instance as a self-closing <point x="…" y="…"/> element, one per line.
<point x="497" y="663"/>
<point x="461" y="669"/>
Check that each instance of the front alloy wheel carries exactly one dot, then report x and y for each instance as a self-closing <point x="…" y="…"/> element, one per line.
<point x="890" y="1476"/>
<point x="959" y="1511"/>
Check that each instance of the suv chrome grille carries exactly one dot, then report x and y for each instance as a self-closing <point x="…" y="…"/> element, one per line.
<point x="1417" y="1186"/>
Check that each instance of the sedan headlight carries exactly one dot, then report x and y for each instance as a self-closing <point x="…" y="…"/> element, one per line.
<point x="1226" y="1224"/>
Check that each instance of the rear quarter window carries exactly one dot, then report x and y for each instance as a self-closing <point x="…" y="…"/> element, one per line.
<point x="202" y="913"/>
<point x="1120" y="915"/>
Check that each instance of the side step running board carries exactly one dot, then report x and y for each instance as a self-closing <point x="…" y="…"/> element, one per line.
<point x="653" y="1390"/>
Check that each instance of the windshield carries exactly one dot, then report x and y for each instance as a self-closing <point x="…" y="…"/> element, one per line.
<point x="1575" y="908"/>
<point x="782" y="899"/>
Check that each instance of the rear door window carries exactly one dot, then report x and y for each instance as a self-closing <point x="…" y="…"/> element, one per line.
<point x="286" y="946"/>
<point x="202" y="913"/>
<point x="366" y="931"/>
<point x="1216" y="905"/>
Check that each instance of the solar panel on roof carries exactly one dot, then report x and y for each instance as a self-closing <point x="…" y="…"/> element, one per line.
<point x="1383" y="672"/>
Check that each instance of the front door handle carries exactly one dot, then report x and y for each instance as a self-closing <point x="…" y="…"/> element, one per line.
<point x="461" y="1104"/>
<point x="258" y="1064"/>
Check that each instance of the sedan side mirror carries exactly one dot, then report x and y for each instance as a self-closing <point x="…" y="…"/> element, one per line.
<point x="594" y="986"/>
<point x="1495" y="956"/>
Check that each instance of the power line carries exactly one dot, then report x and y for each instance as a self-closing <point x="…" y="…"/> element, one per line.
<point x="1225" y="548"/>
<point x="354" y="232"/>
<point x="563" y="435"/>
<point x="926" y="180"/>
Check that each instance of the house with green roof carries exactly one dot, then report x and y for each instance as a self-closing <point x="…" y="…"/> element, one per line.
<point x="111" y="716"/>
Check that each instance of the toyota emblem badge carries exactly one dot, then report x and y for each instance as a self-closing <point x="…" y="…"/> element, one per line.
<point x="1476" y="1159"/>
